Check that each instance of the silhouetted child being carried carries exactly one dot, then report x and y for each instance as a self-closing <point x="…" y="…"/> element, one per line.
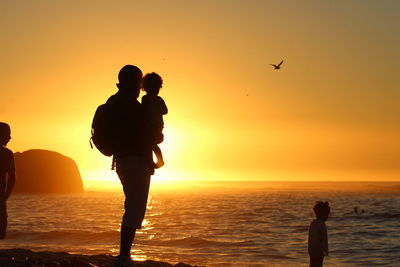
<point x="7" y="175"/>
<point x="318" y="234"/>
<point x="155" y="108"/>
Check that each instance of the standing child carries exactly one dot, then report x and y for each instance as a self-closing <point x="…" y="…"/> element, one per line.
<point x="155" y="108"/>
<point x="7" y="175"/>
<point x="318" y="234"/>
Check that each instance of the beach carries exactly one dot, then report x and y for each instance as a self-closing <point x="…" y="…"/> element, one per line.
<point x="26" y="258"/>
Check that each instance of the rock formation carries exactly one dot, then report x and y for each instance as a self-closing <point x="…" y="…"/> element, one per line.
<point x="43" y="171"/>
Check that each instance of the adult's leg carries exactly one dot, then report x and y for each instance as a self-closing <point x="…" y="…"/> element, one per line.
<point x="136" y="191"/>
<point x="127" y="237"/>
<point x="135" y="178"/>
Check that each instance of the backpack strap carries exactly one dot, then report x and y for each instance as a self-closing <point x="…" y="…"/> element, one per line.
<point x="91" y="138"/>
<point x="113" y="162"/>
<point x="91" y="142"/>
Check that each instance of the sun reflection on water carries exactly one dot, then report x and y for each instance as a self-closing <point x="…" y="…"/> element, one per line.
<point x="138" y="255"/>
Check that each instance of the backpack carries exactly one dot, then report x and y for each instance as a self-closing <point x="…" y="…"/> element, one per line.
<point x="103" y="133"/>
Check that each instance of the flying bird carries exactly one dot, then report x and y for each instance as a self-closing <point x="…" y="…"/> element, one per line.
<point x="277" y="67"/>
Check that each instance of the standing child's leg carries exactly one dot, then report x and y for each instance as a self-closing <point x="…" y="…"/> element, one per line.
<point x="160" y="159"/>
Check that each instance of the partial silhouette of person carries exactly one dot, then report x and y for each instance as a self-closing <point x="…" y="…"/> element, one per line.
<point x="7" y="175"/>
<point x="133" y="155"/>
<point x="155" y="108"/>
<point x="355" y="209"/>
<point x="318" y="235"/>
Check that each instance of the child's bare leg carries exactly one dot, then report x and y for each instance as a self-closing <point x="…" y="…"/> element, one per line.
<point x="160" y="159"/>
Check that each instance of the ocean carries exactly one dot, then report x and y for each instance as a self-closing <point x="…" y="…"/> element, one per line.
<point x="217" y="226"/>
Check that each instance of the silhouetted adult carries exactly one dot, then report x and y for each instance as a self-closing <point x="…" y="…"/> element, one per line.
<point x="133" y="156"/>
<point x="7" y="175"/>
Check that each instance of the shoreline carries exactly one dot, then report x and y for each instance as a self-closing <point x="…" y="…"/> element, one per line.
<point x="24" y="257"/>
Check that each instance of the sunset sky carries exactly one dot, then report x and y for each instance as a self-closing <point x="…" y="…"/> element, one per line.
<point x="331" y="113"/>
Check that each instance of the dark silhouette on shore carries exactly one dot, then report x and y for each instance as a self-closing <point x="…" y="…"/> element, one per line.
<point x="277" y="67"/>
<point x="7" y="175"/>
<point x="318" y="235"/>
<point x="121" y="129"/>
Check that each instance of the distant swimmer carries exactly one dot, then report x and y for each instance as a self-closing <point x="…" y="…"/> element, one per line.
<point x="356" y="210"/>
<point x="277" y="67"/>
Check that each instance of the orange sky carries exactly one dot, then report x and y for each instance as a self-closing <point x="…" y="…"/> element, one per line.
<point x="331" y="113"/>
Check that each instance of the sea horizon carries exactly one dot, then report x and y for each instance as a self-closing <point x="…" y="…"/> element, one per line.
<point x="306" y="185"/>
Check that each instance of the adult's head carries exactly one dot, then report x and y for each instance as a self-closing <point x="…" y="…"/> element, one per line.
<point x="130" y="80"/>
<point x="5" y="133"/>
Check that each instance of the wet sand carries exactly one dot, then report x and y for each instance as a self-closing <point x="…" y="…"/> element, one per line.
<point x="28" y="258"/>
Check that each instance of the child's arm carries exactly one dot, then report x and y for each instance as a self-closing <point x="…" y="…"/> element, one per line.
<point x="163" y="106"/>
